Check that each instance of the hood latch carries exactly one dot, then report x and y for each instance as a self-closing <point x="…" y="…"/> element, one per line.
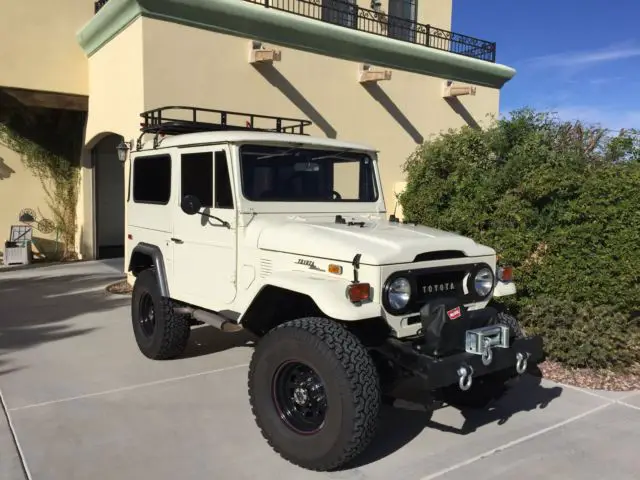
<point x="356" y="266"/>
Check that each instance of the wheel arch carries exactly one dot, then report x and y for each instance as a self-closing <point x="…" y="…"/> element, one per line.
<point x="145" y="256"/>
<point x="274" y="305"/>
<point x="285" y="296"/>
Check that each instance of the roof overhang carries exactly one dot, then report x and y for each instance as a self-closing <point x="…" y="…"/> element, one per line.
<point x="45" y="99"/>
<point x="245" y="19"/>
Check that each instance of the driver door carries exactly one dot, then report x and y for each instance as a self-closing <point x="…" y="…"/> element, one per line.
<point x="204" y="250"/>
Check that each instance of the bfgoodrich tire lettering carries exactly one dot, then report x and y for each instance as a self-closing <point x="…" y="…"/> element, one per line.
<point x="167" y="334"/>
<point x="349" y="381"/>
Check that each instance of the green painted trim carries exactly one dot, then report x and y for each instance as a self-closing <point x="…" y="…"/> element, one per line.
<point x="112" y="19"/>
<point x="244" y="19"/>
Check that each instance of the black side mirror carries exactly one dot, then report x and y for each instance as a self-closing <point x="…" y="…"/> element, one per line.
<point x="190" y="204"/>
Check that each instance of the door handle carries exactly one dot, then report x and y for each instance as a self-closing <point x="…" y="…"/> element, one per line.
<point x="176" y="240"/>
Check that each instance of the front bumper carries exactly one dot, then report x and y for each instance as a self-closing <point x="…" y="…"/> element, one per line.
<point x="446" y="371"/>
<point x="458" y="366"/>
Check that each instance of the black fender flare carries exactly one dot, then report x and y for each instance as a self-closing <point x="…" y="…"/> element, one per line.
<point x="157" y="259"/>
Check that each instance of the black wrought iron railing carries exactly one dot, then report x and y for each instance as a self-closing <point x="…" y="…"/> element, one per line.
<point x="99" y="4"/>
<point x="350" y="15"/>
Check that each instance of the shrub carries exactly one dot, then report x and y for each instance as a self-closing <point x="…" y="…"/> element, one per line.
<point x="583" y="335"/>
<point x="557" y="200"/>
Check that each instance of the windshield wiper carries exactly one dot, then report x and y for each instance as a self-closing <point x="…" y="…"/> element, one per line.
<point x="279" y="154"/>
<point x="337" y="155"/>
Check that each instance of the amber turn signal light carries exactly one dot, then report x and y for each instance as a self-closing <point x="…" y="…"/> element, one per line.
<point x="333" y="268"/>
<point x="358" y="292"/>
<point x="505" y="274"/>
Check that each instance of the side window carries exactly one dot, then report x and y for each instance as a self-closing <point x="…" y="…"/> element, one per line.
<point x="197" y="176"/>
<point x="152" y="179"/>
<point x="223" y="192"/>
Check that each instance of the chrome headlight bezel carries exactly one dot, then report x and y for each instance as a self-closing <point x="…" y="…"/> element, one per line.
<point x="482" y="281"/>
<point x="398" y="286"/>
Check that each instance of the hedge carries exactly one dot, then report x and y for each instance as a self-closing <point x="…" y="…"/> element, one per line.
<point x="561" y="203"/>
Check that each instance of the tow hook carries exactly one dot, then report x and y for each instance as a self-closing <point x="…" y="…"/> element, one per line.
<point x="465" y="374"/>
<point x="521" y="362"/>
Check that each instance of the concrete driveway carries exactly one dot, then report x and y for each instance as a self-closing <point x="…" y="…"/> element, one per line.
<point x="85" y="404"/>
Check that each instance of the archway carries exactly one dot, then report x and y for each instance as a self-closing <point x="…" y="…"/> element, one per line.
<point x="108" y="184"/>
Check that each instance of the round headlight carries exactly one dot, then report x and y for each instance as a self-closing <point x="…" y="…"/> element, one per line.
<point x="399" y="293"/>
<point x="483" y="282"/>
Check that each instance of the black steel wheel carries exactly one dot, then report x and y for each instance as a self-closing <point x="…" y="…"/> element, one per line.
<point x="314" y="392"/>
<point x="160" y="333"/>
<point x="146" y="315"/>
<point x="299" y="396"/>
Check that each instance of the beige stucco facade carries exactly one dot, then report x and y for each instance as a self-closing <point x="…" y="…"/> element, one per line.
<point x="39" y="50"/>
<point x="137" y="58"/>
<point x="393" y="116"/>
<point x="41" y="65"/>
<point x="116" y="99"/>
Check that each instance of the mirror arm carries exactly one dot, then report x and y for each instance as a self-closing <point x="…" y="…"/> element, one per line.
<point x="223" y="222"/>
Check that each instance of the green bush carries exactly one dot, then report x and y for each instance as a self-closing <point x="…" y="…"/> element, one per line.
<point x="559" y="201"/>
<point x="581" y="335"/>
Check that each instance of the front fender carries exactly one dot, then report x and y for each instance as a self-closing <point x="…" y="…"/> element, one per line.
<point x="329" y="294"/>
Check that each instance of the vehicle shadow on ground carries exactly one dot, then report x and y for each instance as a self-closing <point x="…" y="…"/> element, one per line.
<point x="35" y="310"/>
<point x="5" y="371"/>
<point x="206" y="340"/>
<point x="400" y="425"/>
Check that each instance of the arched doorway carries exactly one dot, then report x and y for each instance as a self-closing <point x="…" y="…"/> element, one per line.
<point x="108" y="188"/>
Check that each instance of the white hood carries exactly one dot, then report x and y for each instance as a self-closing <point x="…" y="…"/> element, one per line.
<point x="380" y="242"/>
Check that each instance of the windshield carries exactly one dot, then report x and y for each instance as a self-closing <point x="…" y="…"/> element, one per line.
<point x="291" y="174"/>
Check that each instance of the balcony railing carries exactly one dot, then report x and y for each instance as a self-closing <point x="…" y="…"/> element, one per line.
<point x="99" y="4"/>
<point x="350" y="15"/>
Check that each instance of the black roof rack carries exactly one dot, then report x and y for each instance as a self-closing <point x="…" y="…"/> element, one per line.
<point x="174" y="120"/>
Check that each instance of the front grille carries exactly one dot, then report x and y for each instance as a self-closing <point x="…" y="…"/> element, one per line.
<point x="434" y="283"/>
<point x="440" y="284"/>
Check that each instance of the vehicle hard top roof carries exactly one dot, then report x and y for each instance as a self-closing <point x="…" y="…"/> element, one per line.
<point x="203" y="138"/>
<point x="176" y="126"/>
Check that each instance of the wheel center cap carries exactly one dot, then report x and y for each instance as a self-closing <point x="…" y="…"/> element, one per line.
<point x="300" y="396"/>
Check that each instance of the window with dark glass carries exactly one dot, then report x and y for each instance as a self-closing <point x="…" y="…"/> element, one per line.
<point x="223" y="192"/>
<point x="197" y="176"/>
<point x="403" y="15"/>
<point x="152" y="179"/>
<point x="340" y="12"/>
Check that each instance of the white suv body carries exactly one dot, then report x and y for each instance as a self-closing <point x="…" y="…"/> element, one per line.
<point x="287" y="244"/>
<point x="287" y="236"/>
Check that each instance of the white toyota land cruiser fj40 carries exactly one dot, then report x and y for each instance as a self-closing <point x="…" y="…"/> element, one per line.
<point x="286" y="235"/>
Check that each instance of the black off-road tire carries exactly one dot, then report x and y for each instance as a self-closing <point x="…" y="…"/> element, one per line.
<point x="505" y="318"/>
<point x="490" y="387"/>
<point x="350" y="383"/>
<point x="170" y="335"/>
